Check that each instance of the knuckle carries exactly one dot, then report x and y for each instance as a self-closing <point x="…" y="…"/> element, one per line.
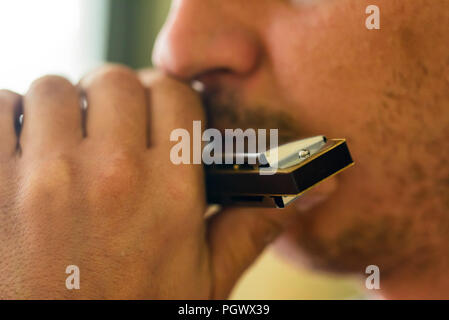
<point x="59" y="168"/>
<point x="163" y="82"/>
<point x="50" y="88"/>
<point x="50" y="84"/>
<point x="55" y="173"/>
<point x="115" y="76"/>
<point x="183" y="99"/>
<point x="119" y="176"/>
<point x="8" y="99"/>
<point x="148" y="75"/>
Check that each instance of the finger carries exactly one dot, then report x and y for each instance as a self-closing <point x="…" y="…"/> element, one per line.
<point x="10" y="108"/>
<point x="52" y="116"/>
<point x="116" y="107"/>
<point x="173" y="105"/>
<point x="237" y="237"/>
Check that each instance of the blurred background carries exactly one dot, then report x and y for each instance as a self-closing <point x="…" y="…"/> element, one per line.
<point x="70" y="38"/>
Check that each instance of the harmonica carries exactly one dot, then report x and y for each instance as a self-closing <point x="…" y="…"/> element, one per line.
<point x="278" y="176"/>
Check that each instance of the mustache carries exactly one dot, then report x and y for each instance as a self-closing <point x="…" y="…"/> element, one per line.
<point x="225" y="112"/>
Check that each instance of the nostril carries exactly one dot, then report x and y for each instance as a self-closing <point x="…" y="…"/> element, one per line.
<point x="189" y="48"/>
<point x="183" y="52"/>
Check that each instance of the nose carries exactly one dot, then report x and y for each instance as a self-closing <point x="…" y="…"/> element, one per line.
<point x="200" y="37"/>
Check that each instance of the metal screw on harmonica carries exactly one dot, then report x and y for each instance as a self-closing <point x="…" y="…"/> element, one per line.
<point x="299" y="166"/>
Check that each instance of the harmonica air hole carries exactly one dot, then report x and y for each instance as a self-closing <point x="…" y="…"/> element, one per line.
<point x="247" y="198"/>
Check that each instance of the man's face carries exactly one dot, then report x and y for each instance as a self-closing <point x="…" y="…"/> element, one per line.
<point x="312" y="67"/>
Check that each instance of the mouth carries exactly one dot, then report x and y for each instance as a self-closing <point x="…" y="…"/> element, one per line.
<point x="226" y="112"/>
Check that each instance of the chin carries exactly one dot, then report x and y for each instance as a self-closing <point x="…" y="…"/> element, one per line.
<point x="333" y="238"/>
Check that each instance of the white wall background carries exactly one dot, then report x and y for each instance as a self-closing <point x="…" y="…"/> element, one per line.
<point x="64" y="37"/>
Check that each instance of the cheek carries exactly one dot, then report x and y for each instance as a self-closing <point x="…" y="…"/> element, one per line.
<point x="320" y="55"/>
<point x="334" y="73"/>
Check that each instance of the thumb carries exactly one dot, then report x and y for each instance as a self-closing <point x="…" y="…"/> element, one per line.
<point x="237" y="236"/>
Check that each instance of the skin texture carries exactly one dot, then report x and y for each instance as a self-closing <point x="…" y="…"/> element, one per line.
<point x="95" y="188"/>
<point x="313" y="68"/>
